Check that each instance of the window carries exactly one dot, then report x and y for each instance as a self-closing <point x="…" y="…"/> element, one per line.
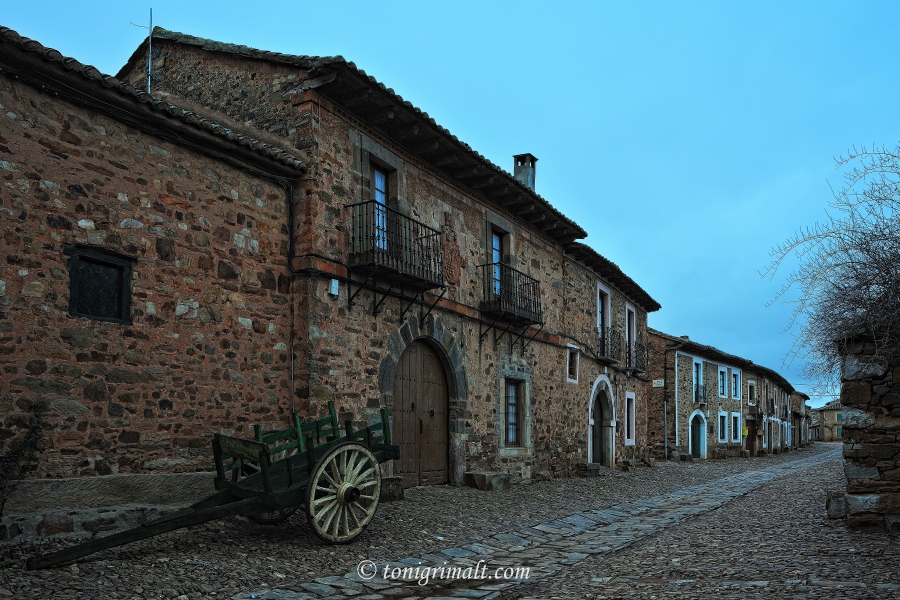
<point x="699" y="391"/>
<point x="499" y="247"/>
<point x="572" y="357"/>
<point x="839" y="432"/>
<point x="735" y="427"/>
<point x="513" y="413"/>
<point x="380" y="195"/>
<point x="603" y="321"/>
<point x="751" y="393"/>
<point x="723" y="382"/>
<point x="840" y="417"/>
<point x="629" y="419"/>
<point x="735" y="384"/>
<point x="723" y="427"/>
<point x="99" y="285"/>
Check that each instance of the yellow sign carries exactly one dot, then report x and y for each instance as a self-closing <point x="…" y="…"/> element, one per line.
<point x="743" y="431"/>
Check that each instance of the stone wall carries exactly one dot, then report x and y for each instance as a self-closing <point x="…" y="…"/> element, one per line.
<point x="343" y="351"/>
<point x="871" y="433"/>
<point x="207" y="349"/>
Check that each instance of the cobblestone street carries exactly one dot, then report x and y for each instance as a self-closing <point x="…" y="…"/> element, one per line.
<point x="730" y="528"/>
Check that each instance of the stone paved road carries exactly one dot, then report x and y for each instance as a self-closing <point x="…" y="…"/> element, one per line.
<point x="773" y="542"/>
<point x="683" y="530"/>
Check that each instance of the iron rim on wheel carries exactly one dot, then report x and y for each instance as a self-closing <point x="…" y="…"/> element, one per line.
<point x="342" y="493"/>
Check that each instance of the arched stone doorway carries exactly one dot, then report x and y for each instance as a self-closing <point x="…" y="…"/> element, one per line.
<point x="601" y="424"/>
<point x="420" y="417"/>
<point x="438" y="339"/>
<point x="697" y="440"/>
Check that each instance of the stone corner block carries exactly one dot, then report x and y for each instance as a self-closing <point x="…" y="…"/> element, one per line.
<point x="487" y="481"/>
<point x="391" y="489"/>
<point x="836" y="505"/>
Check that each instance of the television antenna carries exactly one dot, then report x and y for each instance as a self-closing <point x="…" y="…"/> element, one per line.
<point x="149" y="47"/>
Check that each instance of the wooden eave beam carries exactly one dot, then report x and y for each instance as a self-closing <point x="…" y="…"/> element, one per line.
<point x="426" y="147"/>
<point x="448" y="158"/>
<point x="406" y="131"/>
<point x="380" y="115"/>
<point x="355" y="97"/>
<point x="482" y="182"/>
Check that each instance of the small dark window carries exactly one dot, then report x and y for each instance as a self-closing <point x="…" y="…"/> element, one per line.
<point x="513" y="413"/>
<point x="572" y="364"/>
<point x="99" y="285"/>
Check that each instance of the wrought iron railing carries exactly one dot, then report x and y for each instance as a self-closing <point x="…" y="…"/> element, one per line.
<point x="609" y="344"/>
<point x="511" y="293"/>
<point x="384" y="237"/>
<point x="699" y="393"/>
<point x="637" y="356"/>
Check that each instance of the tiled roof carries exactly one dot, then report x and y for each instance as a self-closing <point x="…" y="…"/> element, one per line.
<point x="319" y="65"/>
<point x="96" y="82"/>
<point x="724" y="357"/>
<point x="608" y="270"/>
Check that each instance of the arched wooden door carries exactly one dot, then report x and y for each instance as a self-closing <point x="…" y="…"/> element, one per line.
<point x="697" y="431"/>
<point x="420" y="417"/>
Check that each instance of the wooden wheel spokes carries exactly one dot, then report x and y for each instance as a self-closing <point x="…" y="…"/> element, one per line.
<point x="343" y="491"/>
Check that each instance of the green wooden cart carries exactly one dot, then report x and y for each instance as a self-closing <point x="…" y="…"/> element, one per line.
<point x="334" y="473"/>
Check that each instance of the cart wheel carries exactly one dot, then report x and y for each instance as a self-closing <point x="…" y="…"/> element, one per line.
<point x="342" y="493"/>
<point x="264" y="518"/>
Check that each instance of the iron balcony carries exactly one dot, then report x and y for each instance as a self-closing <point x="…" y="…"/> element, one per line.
<point x="700" y="394"/>
<point x="392" y="247"/>
<point x="609" y="345"/>
<point x="637" y="357"/>
<point x="510" y="295"/>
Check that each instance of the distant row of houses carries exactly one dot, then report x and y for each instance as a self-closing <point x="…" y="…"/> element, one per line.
<point x="268" y="232"/>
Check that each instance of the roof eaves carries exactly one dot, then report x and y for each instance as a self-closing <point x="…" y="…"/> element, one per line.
<point x="316" y="64"/>
<point x="610" y="271"/>
<point x="94" y="77"/>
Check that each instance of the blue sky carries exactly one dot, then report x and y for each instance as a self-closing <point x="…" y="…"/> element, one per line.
<point x="687" y="138"/>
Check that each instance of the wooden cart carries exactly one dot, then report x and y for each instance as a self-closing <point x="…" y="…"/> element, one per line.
<point x="334" y="473"/>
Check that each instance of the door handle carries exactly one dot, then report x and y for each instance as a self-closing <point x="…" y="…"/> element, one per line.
<point x="431" y="413"/>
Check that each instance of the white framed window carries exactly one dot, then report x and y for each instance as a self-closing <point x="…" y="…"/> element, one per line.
<point x="629" y="419"/>
<point x="699" y="388"/>
<point x="573" y="355"/>
<point x="735" y="384"/>
<point x="723" y="382"/>
<point x="735" y="427"/>
<point x="765" y="431"/>
<point x="751" y="393"/>
<point x="723" y="426"/>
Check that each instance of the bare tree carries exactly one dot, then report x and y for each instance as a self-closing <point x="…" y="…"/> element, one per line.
<point x="847" y="282"/>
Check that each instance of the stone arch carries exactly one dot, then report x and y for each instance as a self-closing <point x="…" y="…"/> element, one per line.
<point x="602" y="397"/>
<point x="436" y="334"/>
<point x="701" y="443"/>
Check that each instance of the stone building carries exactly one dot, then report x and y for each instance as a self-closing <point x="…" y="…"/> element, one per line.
<point x="713" y="404"/>
<point x="800" y="420"/>
<point x="314" y="237"/>
<point x="831" y="422"/>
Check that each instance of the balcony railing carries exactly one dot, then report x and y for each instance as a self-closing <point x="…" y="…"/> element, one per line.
<point x="700" y="393"/>
<point x="609" y="344"/>
<point x="396" y="246"/>
<point x="510" y="294"/>
<point x="637" y="356"/>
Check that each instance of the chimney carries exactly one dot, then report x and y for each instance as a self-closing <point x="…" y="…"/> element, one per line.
<point x="524" y="169"/>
